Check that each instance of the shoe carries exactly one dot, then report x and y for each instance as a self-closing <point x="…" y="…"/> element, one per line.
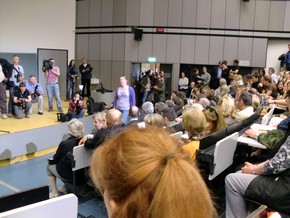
<point x="4" y="116"/>
<point x="60" y="110"/>
<point x="27" y="116"/>
<point x="50" y="109"/>
<point x="63" y="189"/>
<point x="40" y="113"/>
<point x="9" y="115"/>
<point x="51" y="195"/>
<point x="66" y="100"/>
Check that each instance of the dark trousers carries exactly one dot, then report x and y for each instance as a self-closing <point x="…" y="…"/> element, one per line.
<point x="3" y="101"/>
<point x="86" y="83"/>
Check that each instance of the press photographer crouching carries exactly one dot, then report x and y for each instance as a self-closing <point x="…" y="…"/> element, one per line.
<point x="76" y="106"/>
<point x="36" y="93"/>
<point x="22" y="101"/>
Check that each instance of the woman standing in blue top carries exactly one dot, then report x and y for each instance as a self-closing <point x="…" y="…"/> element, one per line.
<point x="124" y="98"/>
<point x="71" y="77"/>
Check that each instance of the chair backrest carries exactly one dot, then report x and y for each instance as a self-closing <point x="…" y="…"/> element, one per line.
<point x="176" y="136"/>
<point x="212" y="139"/>
<point x="65" y="206"/>
<point x="82" y="157"/>
<point x="224" y="153"/>
<point x="235" y="128"/>
<point x="23" y="198"/>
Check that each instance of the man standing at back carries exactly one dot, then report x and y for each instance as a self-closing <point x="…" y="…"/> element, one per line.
<point x="51" y="76"/>
<point x="287" y="58"/>
<point x="85" y="70"/>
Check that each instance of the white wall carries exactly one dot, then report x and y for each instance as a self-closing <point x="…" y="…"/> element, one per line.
<point x="26" y="25"/>
<point x="274" y="50"/>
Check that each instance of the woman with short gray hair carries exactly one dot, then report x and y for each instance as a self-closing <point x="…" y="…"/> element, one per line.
<point x="60" y="165"/>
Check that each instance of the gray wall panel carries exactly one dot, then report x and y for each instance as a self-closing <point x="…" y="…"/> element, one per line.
<point x="232" y="14"/>
<point x="94" y="47"/>
<point x="117" y="71"/>
<point x="216" y="49"/>
<point x="203" y="13"/>
<point x="189" y="13"/>
<point x="245" y="49"/>
<point x="133" y="12"/>
<point x="160" y="12"/>
<point x="187" y="49"/>
<point x="119" y="12"/>
<point x="201" y="50"/>
<point x="277" y="15"/>
<point x="131" y="48"/>
<point x="95" y="12"/>
<point x="175" y="76"/>
<point x="96" y="70"/>
<point x="247" y="15"/>
<point x="230" y="49"/>
<point x="174" y="13"/>
<point x="106" y="74"/>
<point x="82" y="48"/>
<point x="173" y="49"/>
<point x="82" y="18"/>
<point x="145" y="48"/>
<point x="146" y="12"/>
<point x="118" y="47"/>
<point x="262" y="15"/>
<point x="287" y="17"/>
<point x="259" y="55"/>
<point x="159" y="47"/>
<point x="107" y="13"/>
<point x="106" y="47"/>
<point x="218" y="14"/>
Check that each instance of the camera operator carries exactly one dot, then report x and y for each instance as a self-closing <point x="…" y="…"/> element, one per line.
<point x="71" y="76"/>
<point x="36" y="93"/>
<point x="86" y="71"/>
<point x="22" y="101"/>
<point x="51" y="76"/>
<point x="76" y="106"/>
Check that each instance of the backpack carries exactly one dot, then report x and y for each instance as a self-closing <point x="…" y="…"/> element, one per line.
<point x="94" y="107"/>
<point x="61" y="117"/>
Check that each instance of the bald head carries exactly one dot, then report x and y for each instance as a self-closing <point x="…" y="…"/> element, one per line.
<point x="134" y="112"/>
<point x="113" y="117"/>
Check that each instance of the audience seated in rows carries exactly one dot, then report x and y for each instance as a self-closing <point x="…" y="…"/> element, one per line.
<point x="215" y="120"/>
<point x="154" y="120"/>
<point x="245" y="108"/>
<point x="135" y="169"/>
<point x="227" y="107"/>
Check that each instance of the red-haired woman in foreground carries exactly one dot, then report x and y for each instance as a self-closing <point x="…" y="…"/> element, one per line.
<point x="142" y="173"/>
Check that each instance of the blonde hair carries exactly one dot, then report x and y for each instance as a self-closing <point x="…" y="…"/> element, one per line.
<point x="154" y="120"/>
<point x="101" y="117"/>
<point x="214" y="115"/>
<point x="227" y="106"/>
<point x="75" y="128"/>
<point x="255" y="101"/>
<point x="194" y="122"/>
<point x="147" y="175"/>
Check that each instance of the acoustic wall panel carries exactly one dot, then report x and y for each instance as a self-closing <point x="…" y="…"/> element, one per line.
<point x="247" y="15"/>
<point x="145" y="48"/>
<point x="232" y="14"/>
<point x="131" y="48"/>
<point x="262" y="12"/>
<point x="173" y="48"/>
<point x="203" y="13"/>
<point x="218" y="13"/>
<point x="82" y="46"/>
<point x="159" y="47"/>
<point x="95" y="12"/>
<point x="146" y="12"/>
<point x="201" y="50"/>
<point x="117" y="71"/>
<point x="107" y="13"/>
<point x="189" y="13"/>
<point x="277" y="15"/>
<point x="118" y="47"/>
<point x="230" y="49"/>
<point x="187" y="49"/>
<point x="259" y="53"/>
<point x="245" y="50"/>
<point x="96" y="71"/>
<point x="106" y="47"/>
<point x="82" y="17"/>
<point x="133" y="12"/>
<point x="94" y="47"/>
<point x="175" y="13"/>
<point x="119" y="12"/>
<point x="287" y="17"/>
<point x="216" y="49"/>
<point x="106" y="74"/>
<point x="160" y="12"/>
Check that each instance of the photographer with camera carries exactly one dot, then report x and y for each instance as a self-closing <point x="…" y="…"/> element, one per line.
<point x="71" y="77"/>
<point x="51" y="74"/>
<point x="22" y="101"/>
<point x="86" y="72"/>
<point x="36" y="93"/>
<point x="13" y="83"/>
<point x="76" y="106"/>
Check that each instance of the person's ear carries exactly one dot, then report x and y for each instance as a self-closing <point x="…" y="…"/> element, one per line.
<point x="113" y="204"/>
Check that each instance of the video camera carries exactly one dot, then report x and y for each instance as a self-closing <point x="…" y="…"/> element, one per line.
<point x="46" y="65"/>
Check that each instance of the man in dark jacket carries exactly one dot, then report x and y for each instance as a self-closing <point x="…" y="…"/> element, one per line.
<point x="86" y="71"/>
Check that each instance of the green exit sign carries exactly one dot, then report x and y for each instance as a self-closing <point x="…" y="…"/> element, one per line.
<point x="151" y="59"/>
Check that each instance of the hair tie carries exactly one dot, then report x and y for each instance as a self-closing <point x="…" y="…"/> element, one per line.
<point x="167" y="158"/>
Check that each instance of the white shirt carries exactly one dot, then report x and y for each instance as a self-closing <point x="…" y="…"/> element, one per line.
<point x="183" y="83"/>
